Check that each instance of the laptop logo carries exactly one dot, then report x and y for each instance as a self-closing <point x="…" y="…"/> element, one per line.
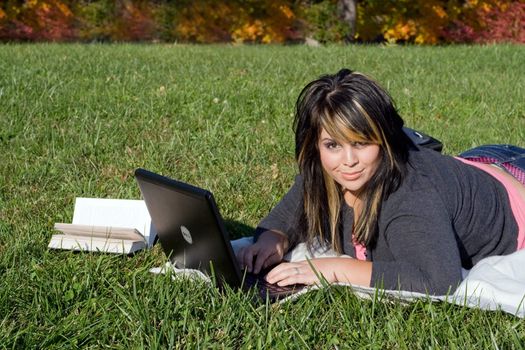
<point x="186" y="234"/>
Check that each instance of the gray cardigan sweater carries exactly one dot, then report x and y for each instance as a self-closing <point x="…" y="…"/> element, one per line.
<point x="444" y="216"/>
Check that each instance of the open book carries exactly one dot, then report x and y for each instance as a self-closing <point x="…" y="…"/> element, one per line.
<point x="120" y="226"/>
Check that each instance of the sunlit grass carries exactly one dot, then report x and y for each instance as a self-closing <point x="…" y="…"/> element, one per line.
<point x="76" y="120"/>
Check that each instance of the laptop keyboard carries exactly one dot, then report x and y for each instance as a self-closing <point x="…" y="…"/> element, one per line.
<point x="265" y="288"/>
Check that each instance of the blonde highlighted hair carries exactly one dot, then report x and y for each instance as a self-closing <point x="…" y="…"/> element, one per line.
<point x="352" y="108"/>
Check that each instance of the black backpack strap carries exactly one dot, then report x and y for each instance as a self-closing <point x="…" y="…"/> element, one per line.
<point x="423" y="140"/>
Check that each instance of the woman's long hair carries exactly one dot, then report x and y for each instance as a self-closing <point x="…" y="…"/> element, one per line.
<point x="351" y="108"/>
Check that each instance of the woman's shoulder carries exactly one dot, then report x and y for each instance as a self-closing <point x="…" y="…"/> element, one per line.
<point x="423" y="167"/>
<point x="419" y="198"/>
<point x="423" y="159"/>
<point x="432" y="168"/>
<point x="433" y="179"/>
<point x="424" y="180"/>
<point x="444" y="171"/>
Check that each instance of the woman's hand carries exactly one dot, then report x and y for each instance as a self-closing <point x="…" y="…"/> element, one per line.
<point x="268" y="250"/>
<point x="341" y="269"/>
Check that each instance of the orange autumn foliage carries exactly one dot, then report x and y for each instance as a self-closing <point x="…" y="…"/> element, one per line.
<point x="37" y="20"/>
<point x="262" y="21"/>
<point x="238" y="21"/>
<point x="437" y="21"/>
<point x="498" y="21"/>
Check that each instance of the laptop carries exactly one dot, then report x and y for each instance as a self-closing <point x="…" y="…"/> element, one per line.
<point x="192" y="234"/>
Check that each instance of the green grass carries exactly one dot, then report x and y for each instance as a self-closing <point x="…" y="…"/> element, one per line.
<point x="76" y="120"/>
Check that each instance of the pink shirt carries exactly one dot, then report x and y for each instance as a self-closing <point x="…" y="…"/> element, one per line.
<point x="517" y="203"/>
<point x="360" y="250"/>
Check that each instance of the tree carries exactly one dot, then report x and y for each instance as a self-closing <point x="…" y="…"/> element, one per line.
<point x="348" y="13"/>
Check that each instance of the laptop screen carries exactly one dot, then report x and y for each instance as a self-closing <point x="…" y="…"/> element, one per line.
<point x="189" y="226"/>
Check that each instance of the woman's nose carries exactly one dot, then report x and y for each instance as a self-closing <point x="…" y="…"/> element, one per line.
<point x="350" y="158"/>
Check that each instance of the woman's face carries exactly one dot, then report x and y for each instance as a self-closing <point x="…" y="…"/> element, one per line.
<point x="351" y="165"/>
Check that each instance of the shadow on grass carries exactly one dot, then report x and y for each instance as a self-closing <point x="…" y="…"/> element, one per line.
<point x="238" y="229"/>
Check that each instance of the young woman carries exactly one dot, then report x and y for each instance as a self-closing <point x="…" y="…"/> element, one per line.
<point x="402" y="217"/>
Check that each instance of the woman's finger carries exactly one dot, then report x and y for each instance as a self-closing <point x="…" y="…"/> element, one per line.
<point x="283" y="271"/>
<point x="254" y="257"/>
<point x="264" y="259"/>
<point x="273" y="259"/>
<point x="248" y="254"/>
<point x="292" y="273"/>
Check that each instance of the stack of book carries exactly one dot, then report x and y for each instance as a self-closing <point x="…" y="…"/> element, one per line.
<point x="120" y="226"/>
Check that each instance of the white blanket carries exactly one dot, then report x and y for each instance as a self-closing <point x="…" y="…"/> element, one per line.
<point x="495" y="283"/>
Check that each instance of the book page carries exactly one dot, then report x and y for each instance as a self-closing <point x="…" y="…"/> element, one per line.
<point x="128" y="213"/>
<point x="95" y="244"/>
<point x="106" y="232"/>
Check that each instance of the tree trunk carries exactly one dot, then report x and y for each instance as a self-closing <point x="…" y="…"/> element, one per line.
<point x="348" y="13"/>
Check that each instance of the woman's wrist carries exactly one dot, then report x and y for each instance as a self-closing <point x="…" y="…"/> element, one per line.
<point x="343" y="270"/>
<point x="349" y="270"/>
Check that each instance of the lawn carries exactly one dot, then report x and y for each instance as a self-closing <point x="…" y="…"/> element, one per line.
<point x="76" y="120"/>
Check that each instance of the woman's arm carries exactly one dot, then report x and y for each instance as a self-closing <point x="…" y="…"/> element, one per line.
<point x="418" y="247"/>
<point x="416" y="251"/>
<point x="271" y="235"/>
<point x="340" y="269"/>
<point x="284" y="216"/>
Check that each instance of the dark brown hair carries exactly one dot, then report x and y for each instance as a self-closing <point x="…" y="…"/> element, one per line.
<point x="353" y="108"/>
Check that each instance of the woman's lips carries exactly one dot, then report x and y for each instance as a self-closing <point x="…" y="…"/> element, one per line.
<point x="349" y="176"/>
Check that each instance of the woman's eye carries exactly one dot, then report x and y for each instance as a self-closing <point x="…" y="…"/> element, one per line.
<point x="359" y="144"/>
<point x="331" y="145"/>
